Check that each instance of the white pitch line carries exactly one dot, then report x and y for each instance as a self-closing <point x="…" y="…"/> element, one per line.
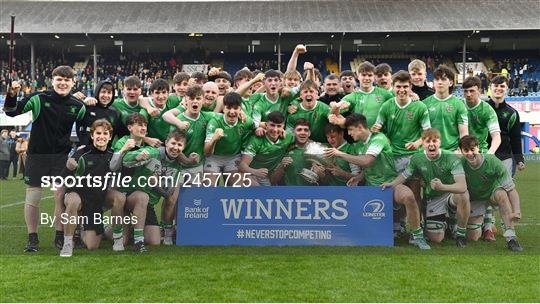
<point x="22" y="202"/>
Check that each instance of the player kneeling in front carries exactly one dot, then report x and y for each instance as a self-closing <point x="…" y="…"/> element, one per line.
<point x="91" y="160"/>
<point x="374" y="154"/>
<point x="445" y="188"/>
<point x="487" y="182"/>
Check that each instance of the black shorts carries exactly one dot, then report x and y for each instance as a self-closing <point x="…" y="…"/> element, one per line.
<point x="40" y="165"/>
<point x="92" y="210"/>
<point x="151" y="218"/>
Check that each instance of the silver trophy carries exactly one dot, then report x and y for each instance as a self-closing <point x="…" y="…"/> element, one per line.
<point x="314" y="154"/>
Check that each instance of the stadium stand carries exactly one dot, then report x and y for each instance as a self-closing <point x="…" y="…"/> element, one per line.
<point x="270" y="17"/>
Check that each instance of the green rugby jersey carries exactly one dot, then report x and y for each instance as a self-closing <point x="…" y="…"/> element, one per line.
<point x="482" y="121"/>
<point x="317" y="117"/>
<point x="247" y="106"/>
<point x="368" y="103"/>
<point x="138" y="168"/>
<point x="445" y="115"/>
<point x="196" y="133"/>
<point x="173" y="101"/>
<point x="124" y="108"/>
<point x="265" y="153"/>
<point x="332" y="180"/>
<point x="234" y="135"/>
<point x="169" y="167"/>
<point x="444" y="167"/>
<point x="292" y="172"/>
<point x="484" y="180"/>
<point x="210" y="108"/>
<point x="157" y="127"/>
<point x="403" y="125"/>
<point x="383" y="169"/>
<point x="262" y="106"/>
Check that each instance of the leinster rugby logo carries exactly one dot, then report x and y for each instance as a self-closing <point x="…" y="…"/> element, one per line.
<point x="374" y="209"/>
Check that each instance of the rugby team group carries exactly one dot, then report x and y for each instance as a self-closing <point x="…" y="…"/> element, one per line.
<point x="449" y="161"/>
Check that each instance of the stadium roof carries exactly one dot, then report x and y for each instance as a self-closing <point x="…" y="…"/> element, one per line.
<point x="269" y="16"/>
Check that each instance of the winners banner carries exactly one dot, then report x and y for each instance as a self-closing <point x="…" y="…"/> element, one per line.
<point x="285" y="215"/>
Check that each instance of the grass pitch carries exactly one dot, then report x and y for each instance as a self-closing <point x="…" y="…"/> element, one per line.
<point x="481" y="272"/>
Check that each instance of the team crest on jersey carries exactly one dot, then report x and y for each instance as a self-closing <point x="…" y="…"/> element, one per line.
<point x="449" y="108"/>
<point x="47" y="104"/>
<point x="378" y="98"/>
<point x="410" y="115"/>
<point x="72" y="109"/>
<point x="484" y="179"/>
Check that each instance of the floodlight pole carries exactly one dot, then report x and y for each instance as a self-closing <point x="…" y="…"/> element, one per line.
<point x="341" y="51"/>
<point x="95" y="67"/>
<point x="279" y="52"/>
<point x="32" y="62"/>
<point x="464" y="58"/>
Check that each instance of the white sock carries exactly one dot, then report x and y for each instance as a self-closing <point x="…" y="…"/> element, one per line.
<point x="68" y="239"/>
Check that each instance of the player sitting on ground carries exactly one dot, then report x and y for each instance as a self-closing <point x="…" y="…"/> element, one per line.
<point x="93" y="160"/>
<point x="373" y="153"/>
<point x="261" y="155"/>
<point x="289" y="171"/>
<point x="447" y="113"/>
<point x="445" y="188"/>
<point x="488" y="182"/>
<point x="225" y="135"/>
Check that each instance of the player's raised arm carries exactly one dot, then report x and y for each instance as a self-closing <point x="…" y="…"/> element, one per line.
<point x="293" y="62"/>
<point x="243" y="88"/>
<point x="12" y="107"/>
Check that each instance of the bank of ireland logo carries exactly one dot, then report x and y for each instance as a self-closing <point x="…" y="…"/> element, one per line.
<point x="197" y="211"/>
<point x="374" y="209"/>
